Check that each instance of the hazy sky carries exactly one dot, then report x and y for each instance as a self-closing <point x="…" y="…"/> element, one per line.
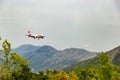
<point x="89" y="24"/>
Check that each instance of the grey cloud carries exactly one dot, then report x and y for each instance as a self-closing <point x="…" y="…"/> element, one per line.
<point x="76" y="23"/>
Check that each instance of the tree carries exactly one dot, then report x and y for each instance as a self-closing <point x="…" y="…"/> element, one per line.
<point x="13" y="66"/>
<point x="19" y="68"/>
<point x="4" y="58"/>
<point x="106" y="66"/>
<point x="17" y="61"/>
<point x="5" y="52"/>
<point x="73" y="76"/>
<point x="103" y="70"/>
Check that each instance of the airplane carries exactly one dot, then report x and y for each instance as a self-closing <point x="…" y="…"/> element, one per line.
<point x="35" y="36"/>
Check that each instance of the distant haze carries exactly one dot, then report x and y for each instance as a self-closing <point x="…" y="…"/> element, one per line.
<point x="89" y="24"/>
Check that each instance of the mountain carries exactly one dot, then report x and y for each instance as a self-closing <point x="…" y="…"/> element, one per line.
<point x="23" y="49"/>
<point x="42" y="57"/>
<point x="114" y="56"/>
<point x="68" y="57"/>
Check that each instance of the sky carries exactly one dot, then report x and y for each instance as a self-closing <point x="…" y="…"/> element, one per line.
<point x="89" y="24"/>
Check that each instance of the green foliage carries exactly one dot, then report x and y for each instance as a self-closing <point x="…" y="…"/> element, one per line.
<point x="19" y="68"/>
<point x="17" y="61"/>
<point x="55" y="75"/>
<point x="104" y="70"/>
<point x="13" y="66"/>
<point x="104" y="59"/>
<point x="5" y="53"/>
<point x="116" y="73"/>
<point x="73" y="76"/>
<point x="4" y="59"/>
<point x="0" y="38"/>
<point x="61" y="75"/>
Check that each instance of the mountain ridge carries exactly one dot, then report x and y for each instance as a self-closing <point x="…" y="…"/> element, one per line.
<point x="42" y="57"/>
<point x="114" y="56"/>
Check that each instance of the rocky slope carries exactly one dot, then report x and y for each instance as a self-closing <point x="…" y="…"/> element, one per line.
<point x="42" y="57"/>
<point x="114" y="56"/>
